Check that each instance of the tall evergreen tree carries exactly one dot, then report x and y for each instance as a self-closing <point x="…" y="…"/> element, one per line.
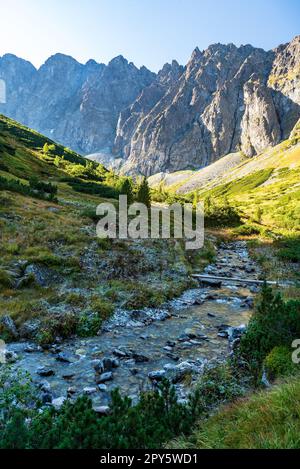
<point x="143" y="193"/>
<point x="126" y="189"/>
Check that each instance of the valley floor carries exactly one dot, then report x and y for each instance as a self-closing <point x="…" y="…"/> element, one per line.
<point x="175" y="341"/>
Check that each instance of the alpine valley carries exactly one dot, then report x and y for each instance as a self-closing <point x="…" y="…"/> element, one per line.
<point x="224" y="100"/>
<point x="143" y="343"/>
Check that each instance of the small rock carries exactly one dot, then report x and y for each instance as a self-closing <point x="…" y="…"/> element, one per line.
<point x="120" y="353"/>
<point x="58" y="402"/>
<point x="89" y="390"/>
<point x="44" y="371"/>
<point x="46" y="398"/>
<point x="44" y="386"/>
<point x="211" y="315"/>
<point x="9" y="326"/>
<point x="181" y="371"/>
<point x="68" y="376"/>
<point x="187" y="344"/>
<point x="72" y="390"/>
<point x="191" y="333"/>
<point x="55" y="349"/>
<point x="104" y="377"/>
<point x="236" y="332"/>
<point x="30" y="329"/>
<point x="102" y="410"/>
<point x="102" y="387"/>
<point x="173" y="357"/>
<point x="65" y="357"/>
<point x="183" y="338"/>
<point x="139" y="315"/>
<point x="32" y="348"/>
<point x="130" y="362"/>
<point x="168" y="348"/>
<point x="10" y="357"/>
<point x="198" y="301"/>
<point x="98" y="366"/>
<point x="162" y="315"/>
<point x="109" y="364"/>
<point x="53" y="209"/>
<point x="139" y="357"/>
<point x="171" y="343"/>
<point x="38" y="273"/>
<point x="144" y="336"/>
<point x="157" y="375"/>
<point x="250" y="301"/>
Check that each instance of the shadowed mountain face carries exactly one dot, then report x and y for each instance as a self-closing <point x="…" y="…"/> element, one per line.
<point x="224" y="100"/>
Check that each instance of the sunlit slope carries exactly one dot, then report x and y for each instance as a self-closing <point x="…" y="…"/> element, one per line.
<point x="26" y="154"/>
<point x="21" y="151"/>
<point x="187" y="181"/>
<point x="232" y="167"/>
<point x="265" y="189"/>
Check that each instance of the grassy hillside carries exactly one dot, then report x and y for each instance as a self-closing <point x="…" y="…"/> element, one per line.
<point x="257" y="199"/>
<point x="52" y="261"/>
<point x="58" y="280"/>
<point x="266" y="420"/>
<point x="25" y="154"/>
<point x="265" y="189"/>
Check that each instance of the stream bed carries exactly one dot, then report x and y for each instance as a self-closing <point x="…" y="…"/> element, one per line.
<point x="136" y="349"/>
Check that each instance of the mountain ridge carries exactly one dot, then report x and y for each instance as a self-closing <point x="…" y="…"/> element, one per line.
<point x="225" y="99"/>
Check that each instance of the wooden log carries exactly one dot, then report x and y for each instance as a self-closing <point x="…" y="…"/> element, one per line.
<point x="237" y="280"/>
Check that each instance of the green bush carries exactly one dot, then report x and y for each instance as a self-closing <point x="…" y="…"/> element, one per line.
<point x="102" y="307"/>
<point x="41" y="186"/>
<point x="279" y="363"/>
<point x="289" y="249"/>
<point x="88" y="325"/>
<point x="274" y="323"/>
<point x="63" y="325"/>
<point x="94" y="188"/>
<point x="219" y="213"/>
<point x="15" y="185"/>
<point x="219" y="384"/>
<point x="247" y="230"/>
<point x="154" y="420"/>
<point x="17" y="403"/>
<point x="6" y="279"/>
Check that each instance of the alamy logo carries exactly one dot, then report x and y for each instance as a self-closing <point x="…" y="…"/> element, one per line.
<point x="137" y="221"/>
<point x="2" y="92"/>
<point x="2" y="351"/>
<point x="296" y="353"/>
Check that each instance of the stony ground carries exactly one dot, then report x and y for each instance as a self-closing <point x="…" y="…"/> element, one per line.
<point x="136" y="349"/>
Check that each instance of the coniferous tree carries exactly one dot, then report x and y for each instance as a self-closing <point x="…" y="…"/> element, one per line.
<point x="143" y="193"/>
<point x="126" y="189"/>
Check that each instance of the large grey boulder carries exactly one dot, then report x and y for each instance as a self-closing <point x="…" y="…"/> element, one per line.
<point x="8" y="325"/>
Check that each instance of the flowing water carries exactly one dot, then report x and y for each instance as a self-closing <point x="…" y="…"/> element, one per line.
<point x="181" y="336"/>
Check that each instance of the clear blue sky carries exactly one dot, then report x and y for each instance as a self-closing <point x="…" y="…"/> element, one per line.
<point x="147" y="32"/>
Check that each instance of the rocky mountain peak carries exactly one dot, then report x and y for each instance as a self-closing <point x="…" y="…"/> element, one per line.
<point x="225" y="99"/>
<point x="118" y="61"/>
<point x="60" y="60"/>
<point x="170" y="72"/>
<point x="196" y="54"/>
